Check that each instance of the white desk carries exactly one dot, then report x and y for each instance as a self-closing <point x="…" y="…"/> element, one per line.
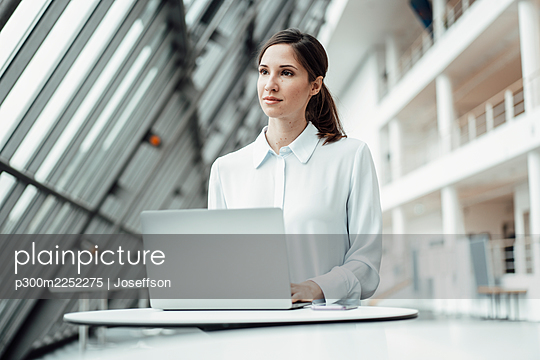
<point x="416" y="339"/>
<point x="160" y="318"/>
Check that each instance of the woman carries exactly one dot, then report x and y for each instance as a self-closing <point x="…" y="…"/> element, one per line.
<point x="303" y="163"/>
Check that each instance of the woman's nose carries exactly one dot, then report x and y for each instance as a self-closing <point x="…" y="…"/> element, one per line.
<point x="271" y="84"/>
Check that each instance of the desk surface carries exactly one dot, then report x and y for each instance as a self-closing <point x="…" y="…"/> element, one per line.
<point x="415" y="339"/>
<point x="153" y="317"/>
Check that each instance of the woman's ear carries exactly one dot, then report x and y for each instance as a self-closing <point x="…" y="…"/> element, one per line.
<point x="316" y="86"/>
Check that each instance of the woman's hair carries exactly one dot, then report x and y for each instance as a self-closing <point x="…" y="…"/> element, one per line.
<point x="321" y="109"/>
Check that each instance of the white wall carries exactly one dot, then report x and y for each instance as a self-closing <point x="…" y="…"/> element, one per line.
<point x="430" y="223"/>
<point x="357" y="106"/>
<point x="488" y="217"/>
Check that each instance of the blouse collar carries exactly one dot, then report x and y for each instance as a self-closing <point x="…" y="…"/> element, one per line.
<point x="302" y="147"/>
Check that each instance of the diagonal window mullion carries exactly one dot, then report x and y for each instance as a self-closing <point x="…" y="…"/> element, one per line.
<point x="110" y="111"/>
<point x="20" y="202"/>
<point x="120" y="141"/>
<point x="32" y="43"/>
<point x="9" y="202"/>
<point x="64" y="122"/>
<point x="139" y="126"/>
<point x="43" y="63"/>
<point x="98" y="30"/>
<point x="56" y="168"/>
<point x="144" y="198"/>
<point x="26" y="218"/>
<point x="57" y="77"/>
<point x="18" y="27"/>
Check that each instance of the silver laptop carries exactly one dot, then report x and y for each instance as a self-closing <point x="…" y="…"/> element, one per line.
<point x="218" y="259"/>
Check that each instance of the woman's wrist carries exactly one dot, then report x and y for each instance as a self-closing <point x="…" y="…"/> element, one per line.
<point x="315" y="290"/>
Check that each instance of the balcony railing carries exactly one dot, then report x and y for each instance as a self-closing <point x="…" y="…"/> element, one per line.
<point x="454" y="10"/>
<point x="499" y="109"/>
<point x="426" y="38"/>
<point x="415" y="52"/>
<point x="511" y="256"/>
<point x="430" y="35"/>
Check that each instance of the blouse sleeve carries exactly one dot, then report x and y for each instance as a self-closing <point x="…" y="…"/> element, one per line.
<point x="358" y="277"/>
<point x="216" y="199"/>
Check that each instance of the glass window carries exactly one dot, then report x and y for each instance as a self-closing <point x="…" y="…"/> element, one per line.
<point x="194" y="11"/>
<point x="17" y="29"/>
<point x="6" y="183"/>
<point x="105" y="157"/>
<point x="43" y="212"/>
<point x="3" y="304"/>
<point x="149" y="11"/>
<point x="187" y="3"/>
<point x="20" y="207"/>
<point x="106" y="114"/>
<point x="130" y="108"/>
<point x="233" y="19"/>
<point x="59" y="220"/>
<point x="42" y="64"/>
<point x="76" y="75"/>
<point x="206" y="64"/>
<point x="91" y="99"/>
<point x="115" y="100"/>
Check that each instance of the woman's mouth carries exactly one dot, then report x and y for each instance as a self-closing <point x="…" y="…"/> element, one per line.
<point x="270" y="100"/>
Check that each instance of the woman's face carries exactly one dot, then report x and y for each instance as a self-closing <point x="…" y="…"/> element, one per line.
<point x="283" y="86"/>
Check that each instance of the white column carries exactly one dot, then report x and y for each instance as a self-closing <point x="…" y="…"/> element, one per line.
<point x="452" y="214"/>
<point x="445" y="111"/>
<point x="452" y="221"/>
<point x="508" y="105"/>
<point x="398" y="220"/>
<point x="384" y="159"/>
<point x="529" y="34"/>
<point x="391" y="61"/>
<point x="521" y="204"/>
<point x="533" y="162"/>
<point x="398" y="243"/>
<point x="394" y="138"/>
<point x="398" y="229"/>
<point x="439" y="9"/>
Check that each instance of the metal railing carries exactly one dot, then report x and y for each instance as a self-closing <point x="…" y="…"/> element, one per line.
<point x="455" y="11"/>
<point x="426" y="38"/>
<point x="415" y="52"/>
<point x="511" y="256"/>
<point x="503" y="107"/>
<point x="499" y="109"/>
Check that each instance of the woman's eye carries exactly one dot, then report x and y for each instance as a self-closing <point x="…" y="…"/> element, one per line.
<point x="287" y="73"/>
<point x="263" y="72"/>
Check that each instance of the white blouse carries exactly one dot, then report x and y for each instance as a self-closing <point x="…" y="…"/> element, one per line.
<point x="329" y="190"/>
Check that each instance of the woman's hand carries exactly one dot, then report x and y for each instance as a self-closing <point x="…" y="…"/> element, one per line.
<point x="306" y="291"/>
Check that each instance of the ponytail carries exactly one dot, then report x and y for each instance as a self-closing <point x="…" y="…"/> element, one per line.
<point x="322" y="113"/>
